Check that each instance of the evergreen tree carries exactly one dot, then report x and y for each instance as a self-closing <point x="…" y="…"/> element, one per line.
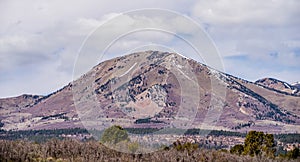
<point x="253" y="143"/>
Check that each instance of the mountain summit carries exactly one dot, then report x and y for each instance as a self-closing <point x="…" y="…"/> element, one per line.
<point x="160" y="90"/>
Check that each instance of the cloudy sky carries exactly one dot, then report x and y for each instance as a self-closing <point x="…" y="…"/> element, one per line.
<point x="40" y="40"/>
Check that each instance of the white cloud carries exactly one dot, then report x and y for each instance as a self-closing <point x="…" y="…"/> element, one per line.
<point x="48" y="35"/>
<point x="130" y="30"/>
<point x="250" y="12"/>
<point x="264" y="31"/>
<point x="292" y="43"/>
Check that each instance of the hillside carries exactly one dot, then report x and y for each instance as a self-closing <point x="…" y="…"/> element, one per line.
<point x="279" y="86"/>
<point x="158" y="90"/>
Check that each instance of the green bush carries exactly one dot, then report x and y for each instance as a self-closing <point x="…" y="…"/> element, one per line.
<point x="237" y="149"/>
<point x="293" y="154"/>
<point x="114" y="135"/>
<point x="133" y="146"/>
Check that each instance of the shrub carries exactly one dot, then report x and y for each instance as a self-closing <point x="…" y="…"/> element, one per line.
<point x="293" y="154"/>
<point x="237" y="149"/>
<point x="72" y="150"/>
<point x="114" y="135"/>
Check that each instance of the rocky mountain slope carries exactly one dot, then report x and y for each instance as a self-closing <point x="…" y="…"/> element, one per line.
<point x="279" y="86"/>
<point x="159" y="89"/>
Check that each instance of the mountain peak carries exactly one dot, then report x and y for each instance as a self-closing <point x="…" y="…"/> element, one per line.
<point x="159" y="90"/>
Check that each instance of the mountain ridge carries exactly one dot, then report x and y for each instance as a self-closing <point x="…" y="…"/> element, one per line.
<point x="124" y="87"/>
<point x="279" y="86"/>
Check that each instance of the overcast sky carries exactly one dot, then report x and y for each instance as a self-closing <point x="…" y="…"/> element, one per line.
<point x="40" y="40"/>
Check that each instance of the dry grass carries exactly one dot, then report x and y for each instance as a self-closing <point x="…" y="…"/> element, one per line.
<point x="72" y="150"/>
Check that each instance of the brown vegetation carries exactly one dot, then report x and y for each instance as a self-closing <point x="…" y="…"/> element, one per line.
<point x="72" y="150"/>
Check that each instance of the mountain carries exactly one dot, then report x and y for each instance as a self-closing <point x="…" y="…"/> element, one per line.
<point x="297" y="85"/>
<point x="16" y="104"/>
<point x="158" y="89"/>
<point x="279" y="86"/>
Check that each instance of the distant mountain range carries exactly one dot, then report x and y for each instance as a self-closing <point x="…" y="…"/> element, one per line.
<point x="158" y="89"/>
